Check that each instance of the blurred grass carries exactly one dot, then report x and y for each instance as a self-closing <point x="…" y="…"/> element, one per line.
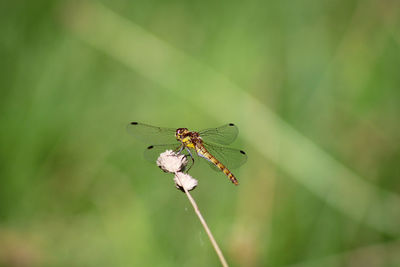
<point x="312" y="86"/>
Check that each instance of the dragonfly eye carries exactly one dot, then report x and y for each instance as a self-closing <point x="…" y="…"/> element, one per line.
<point x="180" y="131"/>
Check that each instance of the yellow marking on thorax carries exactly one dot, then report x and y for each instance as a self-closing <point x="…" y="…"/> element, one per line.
<point x="187" y="142"/>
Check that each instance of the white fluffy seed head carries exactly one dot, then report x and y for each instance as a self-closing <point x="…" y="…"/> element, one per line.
<point x="183" y="179"/>
<point x="170" y="161"/>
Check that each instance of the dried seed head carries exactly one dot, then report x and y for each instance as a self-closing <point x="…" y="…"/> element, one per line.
<point x="170" y="161"/>
<point x="183" y="179"/>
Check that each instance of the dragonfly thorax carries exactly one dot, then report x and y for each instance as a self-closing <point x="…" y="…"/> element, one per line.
<point x="188" y="138"/>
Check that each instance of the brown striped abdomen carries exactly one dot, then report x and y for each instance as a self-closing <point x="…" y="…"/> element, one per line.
<point x="204" y="153"/>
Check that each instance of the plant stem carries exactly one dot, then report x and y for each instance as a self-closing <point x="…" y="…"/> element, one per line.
<point x="208" y="231"/>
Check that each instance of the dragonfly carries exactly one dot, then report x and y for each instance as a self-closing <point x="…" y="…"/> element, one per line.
<point x="209" y="144"/>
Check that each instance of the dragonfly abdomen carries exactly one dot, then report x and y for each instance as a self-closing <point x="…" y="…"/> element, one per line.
<point x="201" y="151"/>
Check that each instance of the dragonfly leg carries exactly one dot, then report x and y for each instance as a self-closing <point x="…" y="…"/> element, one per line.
<point x="188" y="154"/>
<point x="180" y="149"/>
<point x="191" y="156"/>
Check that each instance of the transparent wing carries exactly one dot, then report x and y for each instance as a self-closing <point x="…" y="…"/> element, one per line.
<point x="232" y="158"/>
<point x="153" y="152"/>
<point x="223" y="135"/>
<point x="152" y="134"/>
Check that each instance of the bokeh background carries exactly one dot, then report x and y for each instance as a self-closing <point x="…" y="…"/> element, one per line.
<point x="312" y="85"/>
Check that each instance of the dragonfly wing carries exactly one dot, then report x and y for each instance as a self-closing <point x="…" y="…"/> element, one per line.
<point x="212" y="166"/>
<point x="232" y="158"/>
<point x="223" y="135"/>
<point x="153" y="152"/>
<point x="152" y="134"/>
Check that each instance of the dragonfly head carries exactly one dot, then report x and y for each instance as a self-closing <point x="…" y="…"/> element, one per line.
<point x="181" y="133"/>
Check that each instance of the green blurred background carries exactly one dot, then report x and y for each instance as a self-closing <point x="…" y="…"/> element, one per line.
<point x="312" y="85"/>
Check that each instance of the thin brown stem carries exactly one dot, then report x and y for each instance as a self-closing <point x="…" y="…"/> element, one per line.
<point x="208" y="231"/>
